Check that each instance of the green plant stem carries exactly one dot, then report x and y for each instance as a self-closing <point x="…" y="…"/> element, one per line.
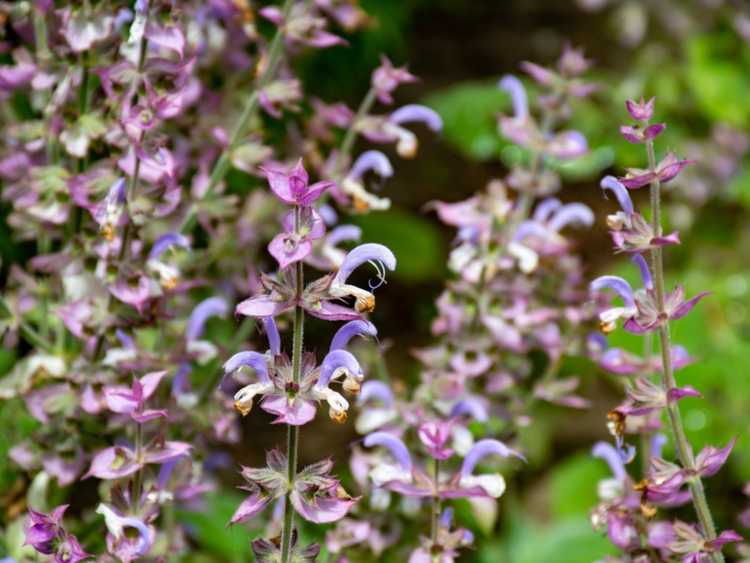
<point x="435" y="519"/>
<point x="223" y="163"/>
<point x="40" y="36"/>
<point x="684" y="450"/>
<point x="135" y="500"/>
<point x="292" y="432"/>
<point x="129" y="194"/>
<point x="133" y="184"/>
<point x="347" y="144"/>
<point x="526" y="199"/>
<point x="33" y="337"/>
<point x="646" y="436"/>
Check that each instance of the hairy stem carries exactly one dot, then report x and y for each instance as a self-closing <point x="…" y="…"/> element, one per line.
<point x="292" y="432"/>
<point x="684" y="450"/>
<point x="135" y="500"/>
<point x="223" y="163"/>
<point x="347" y="144"/>
<point x="435" y="520"/>
<point x="133" y="184"/>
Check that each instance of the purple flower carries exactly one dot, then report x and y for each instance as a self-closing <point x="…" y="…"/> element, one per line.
<point x="567" y="145"/>
<point x="294" y="403"/>
<point x="293" y="187"/>
<point x="45" y="533"/>
<point x="109" y="213"/>
<point x="132" y="401"/>
<point x="710" y="459"/>
<point x="336" y="364"/>
<point x="347" y="533"/>
<point x="168" y="37"/>
<point x="243" y="399"/>
<point x="648" y="316"/>
<point x="168" y="273"/>
<point x="691" y="545"/>
<point x="636" y="134"/>
<point x="318" y="497"/>
<point x="127" y="546"/>
<point x="492" y="485"/>
<point x="434" y="436"/>
<point x="353" y="186"/>
<point x="644" y="397"/>
<point x="515" y="89"/>
<point x="386" y="78"/>
<point x="377" y="406"/>
<point x="351" y="329"/>
<point x="472" y="407"/>
<point x="609" y="316"/>
<point x="607" y="452"/>
<point x="211" y="307"/>
<point x="621" y="193"/>
<point x="296" y="242"/>
<point x="630" y="231"/>
<point x="669" y="167"/>
<point x="120" y="461"/>
<point x="380" y="257"/>
<point x="640" y="111"/>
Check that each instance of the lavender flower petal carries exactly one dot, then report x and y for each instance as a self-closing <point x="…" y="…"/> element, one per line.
<point x="350" y="330"/>
<point x="393" y="444"/>
<point x="211" y="307"/>
<point x="621" y="193"/>
<point x="485" y="448"/>
<point x="419" y="113"/>
<point x="371" y="160"/>
<point x="517" y="92"/>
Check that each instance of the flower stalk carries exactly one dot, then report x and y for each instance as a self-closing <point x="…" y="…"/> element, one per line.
<point x="347" y="144"/>
<point x="436" y="508"/>
<point x="221" y="168"/>
<point x="292" y="431"/>
<point x="684" y="449"/>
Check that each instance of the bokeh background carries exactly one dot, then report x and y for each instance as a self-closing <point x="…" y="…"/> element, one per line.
<point x="694" y="56"/>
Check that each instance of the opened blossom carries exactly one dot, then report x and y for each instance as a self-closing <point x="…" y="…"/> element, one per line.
<point x="295" y="403"/>
<point x="408" y="479"/>
<point x="46" y="534"/>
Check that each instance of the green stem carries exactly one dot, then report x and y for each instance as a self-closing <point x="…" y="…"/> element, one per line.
<point x="33" y="337"/>
<point x="347" y="144"/>
<point x="40" y="37"/>
<point x="135" y="500"/>
<point x="133" y="184"/>
<point x="129" y="194"/>
<point x="223" y="163"/>
<point x="684" y="450"/>
<point x="292" y="432"/>
<point x="436" y="505"/>
<point x="526" y="199"/>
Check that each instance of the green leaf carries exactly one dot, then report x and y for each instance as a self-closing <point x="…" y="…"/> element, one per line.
<point x="572" y="485"/>
<point x="716" y="74"/>
<point x="210" y="529"/>
<point x="469" y="113"/>
<point x="568" y="541"/>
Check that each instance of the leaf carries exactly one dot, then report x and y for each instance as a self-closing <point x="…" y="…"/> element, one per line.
<point x="209" y="528"/>
<point x="569" y="541"/>
<point x="469" y="113"/>
<point x="716" y="75"/>
<point x="572" y="485"/>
